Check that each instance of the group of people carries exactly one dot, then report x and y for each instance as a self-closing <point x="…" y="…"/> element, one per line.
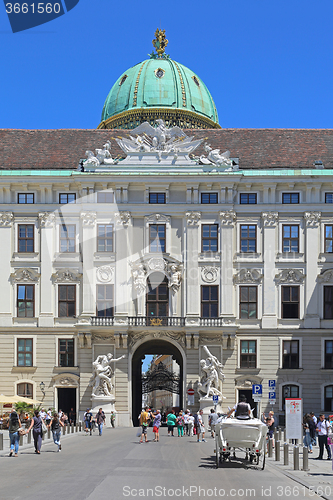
<point x="186" y="423"/>
<point x="90" y="422"/>
<point x="313" y="427"/>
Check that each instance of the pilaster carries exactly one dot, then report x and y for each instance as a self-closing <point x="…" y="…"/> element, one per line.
<point x="227" y="220"/>
<point x="88" y="220"/>
<point x="311" y="305"/>
<point x="46" y="225"/>
<point x="269" y="313"/>
<point x="192" y="268"/>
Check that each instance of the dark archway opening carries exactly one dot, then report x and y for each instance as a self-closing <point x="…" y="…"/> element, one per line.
<point x="152" y="347"/>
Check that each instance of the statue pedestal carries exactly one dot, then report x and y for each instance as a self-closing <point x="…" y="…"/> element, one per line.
<point x="206" y="404"/>
<point x="107" y="405"/>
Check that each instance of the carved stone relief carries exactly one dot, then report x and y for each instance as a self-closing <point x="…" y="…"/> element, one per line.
<point x="46" y="219"/>
<point x="193" y="218"/>
<point x="123" y="218"/>
<point x="228" y="218"/>
<point x="270" y="219"/>
<point x="209" y="274"/>
<point x="66" y="276"/>
<point x="326" y="276"/>
<point x="105" y="274"/>
<point x="6" y="219"/>
<point x="290" y="276"/>
<point x="25" y="276"/>
<point x="88" y="218"/>
<point x="312" y="219"/>
<point x="248" y="276"/>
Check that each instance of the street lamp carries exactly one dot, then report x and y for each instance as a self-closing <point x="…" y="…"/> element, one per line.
<point x="42" y="388"/>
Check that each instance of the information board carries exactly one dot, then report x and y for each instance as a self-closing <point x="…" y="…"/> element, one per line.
<point x="294" y="418"/>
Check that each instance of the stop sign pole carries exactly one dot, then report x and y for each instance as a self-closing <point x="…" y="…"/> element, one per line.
<point x="190" y="397"/>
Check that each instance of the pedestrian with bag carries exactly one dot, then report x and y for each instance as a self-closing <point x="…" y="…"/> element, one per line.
<point x="88" y="422"/>
<point x="14" y="436"/>
<point x="39" y="428"/>
<point x="171" y="422"/>
<point x="55" y="426"/>
<point x="323" y="429"/>
<point x="100" y="420"/>
<point x="180" y="424"/>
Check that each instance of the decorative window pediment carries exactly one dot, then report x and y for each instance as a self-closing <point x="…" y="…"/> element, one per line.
<point x="326" y="276"/>
<point x="248" y="276"/>
<point x="25" y="276"/>
<point x="66" y="276"/>
<point x="142" y="268"/>
<point x="158" y="219"/>
<point x="290" y="276"/>
<point x="66" y="379"/>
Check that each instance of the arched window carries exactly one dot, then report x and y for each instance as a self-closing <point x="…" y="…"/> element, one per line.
<point x="289" y="391"/>
<point x="328" y="395"/>
<point x="25" y="390"/>
<point x="157" y="299"/>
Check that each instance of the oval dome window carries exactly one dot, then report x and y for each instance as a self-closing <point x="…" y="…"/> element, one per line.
<point x="159" y="72"/>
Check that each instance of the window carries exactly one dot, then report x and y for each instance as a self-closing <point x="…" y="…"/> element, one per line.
<point x="27" y="198"/>
<point x="248" y="198"/>
<point x="290" y="198"/>
<point x="157" y="237"/>
<point x="157" y="299"/>
<point x="290" y="238"/>
<point x="25" y="301"/>
<point x="209" y="198"/>
<point x="156" y="197"/>
<point x="290" y="302"/>
<point x="328" y="362"/>
<point x="290" y="354"/>
<point x="66" y="352"/>
<point x="26" y="238"/>
<point x="328" y="197"/>
<point x="209" y="301"/>
<point x="248" y="239"/>
<point x="105" y="238"/>
<point x="248" y="302"/>
<point x="328" y="239"/>
<point x="66" y="301"/>
<point x="67" y="238"/>
<point x="24" y="352"/>
<point x="289" y="391"/>
<point x="105" y="197"/>
<point x="248" y="356"/>
<point x="328" y="398"/>
<point x="24" y="390"/>
<point x="209" y="238"/>
<point x="104" y="306"/>
<point x="328" y="302"/>
<point x="65" y="198"/>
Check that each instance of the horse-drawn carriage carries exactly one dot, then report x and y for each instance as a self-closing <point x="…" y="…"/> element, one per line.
<point x="248" y="436"/>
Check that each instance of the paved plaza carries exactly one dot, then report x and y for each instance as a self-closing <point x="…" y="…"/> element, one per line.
<point x="115" y="466"/>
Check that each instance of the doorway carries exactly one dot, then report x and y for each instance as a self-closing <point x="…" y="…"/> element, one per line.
<point x="156" y="347"/>
<point x="66" y="399"/>
<point x="248" y="394"/>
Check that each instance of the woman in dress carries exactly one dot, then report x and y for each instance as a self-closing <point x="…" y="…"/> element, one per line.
<point x="14" y="425"/>
<point x="55" y="426"/>
<point x="36" y="424"/>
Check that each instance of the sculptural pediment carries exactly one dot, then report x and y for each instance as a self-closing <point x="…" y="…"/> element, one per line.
<point x="248" y="276"/>
<point x="66" y="379"/>
<point x="326" y="276"/>
<point x="26" y="275"/>
<point x="66" y="276"/>
<point x="143" y="267"/>
<point x="290" y="276"/>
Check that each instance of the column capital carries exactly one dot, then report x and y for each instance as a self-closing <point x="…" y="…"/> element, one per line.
<point x="193" y="218"/>
<point x="88" y="218"/>
<point x="312" y="219"/>
<point x="6" y="219"/>
<point x="123" y="218"/>
<point x="228" y="218"/>
<point x="270" y="219"/>
<point x="46" y="219"/>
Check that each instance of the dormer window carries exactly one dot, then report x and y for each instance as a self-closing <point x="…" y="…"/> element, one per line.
<point x="196" y="81"/>
<point x="159" y="73"/>
<point x="122" y="80"/>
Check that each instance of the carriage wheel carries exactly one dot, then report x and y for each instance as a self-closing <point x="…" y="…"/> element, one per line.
<point x="261" y="459"/>
<point x="217" y="457"/>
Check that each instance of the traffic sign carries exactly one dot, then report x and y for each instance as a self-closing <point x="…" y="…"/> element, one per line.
<point x="257" y="399"/>
<point x="272" y="383"/>
<point x="190" y="392"/>
<point x="215" y="399"/>
<point x="272" y="395"/>
<point x="257" y="390"/>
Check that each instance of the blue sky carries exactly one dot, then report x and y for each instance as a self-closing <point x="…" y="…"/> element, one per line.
<point x="266" y="64"/>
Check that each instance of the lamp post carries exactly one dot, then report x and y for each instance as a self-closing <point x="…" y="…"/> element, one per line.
<point x="42" y="388"/>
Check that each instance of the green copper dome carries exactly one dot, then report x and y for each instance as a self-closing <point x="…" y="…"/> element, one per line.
<point x="159" y="88"/>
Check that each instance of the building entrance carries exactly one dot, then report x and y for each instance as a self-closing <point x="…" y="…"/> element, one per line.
<point x="158" y="378"/>
<point x="248" y="394"/>
<point x="66" y="399"/>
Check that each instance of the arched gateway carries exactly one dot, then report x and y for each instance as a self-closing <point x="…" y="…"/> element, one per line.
<point x="154" y="346"/>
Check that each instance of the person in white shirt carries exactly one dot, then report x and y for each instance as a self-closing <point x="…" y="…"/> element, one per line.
<point x="190" y="424"/>
<point x="200" y="427"/>
<point x="323" y="428"/>
<point x="186" y="417"/>
<point x="212" y="421"/>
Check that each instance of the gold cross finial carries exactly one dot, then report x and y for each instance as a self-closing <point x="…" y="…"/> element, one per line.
<point x="160" y="42"/>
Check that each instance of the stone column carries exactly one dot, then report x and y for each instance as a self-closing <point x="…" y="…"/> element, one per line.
<point x="228" y="220"/>
<point x="269" y="313"/>
<point x="121" y="289"/>
<point x="311" y="303"/>
<point x="6" y="219"/>
<point x="191" y="262"/>
<point x="88" y="247"/>
<point x="46" y="228"/>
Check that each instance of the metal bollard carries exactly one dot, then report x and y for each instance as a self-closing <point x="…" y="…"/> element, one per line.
<point x="72" y="428"/>
<point x="80" y="426"/>
<point x="286" y="454"/>
<point x="77" y="427"/>
<point x="296" y="458"/>
<point x="280" y="434"/>
<point x="29" y="437"/>
<point x="1" y="441"/>
<point x="277" y="451"/>
<point x="276" y="434"/>
<point x="48" y="433"/>
<point x="68" y="428"/>
<point x="305" y="458"/>
<point x="64" y="430"/>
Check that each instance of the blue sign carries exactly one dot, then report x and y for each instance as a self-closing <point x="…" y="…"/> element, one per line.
<point x="272" y="383"/>
<point x="215" y="399"/>
<point x="272" y="395"/>
<point x="257" y="390"/>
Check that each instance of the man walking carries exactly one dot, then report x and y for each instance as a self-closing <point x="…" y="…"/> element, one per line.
<point x="100" y="419"/>
<point x="323" y="428"/>
<point x="112" y="419"/>
<point x="88" y="421"/>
